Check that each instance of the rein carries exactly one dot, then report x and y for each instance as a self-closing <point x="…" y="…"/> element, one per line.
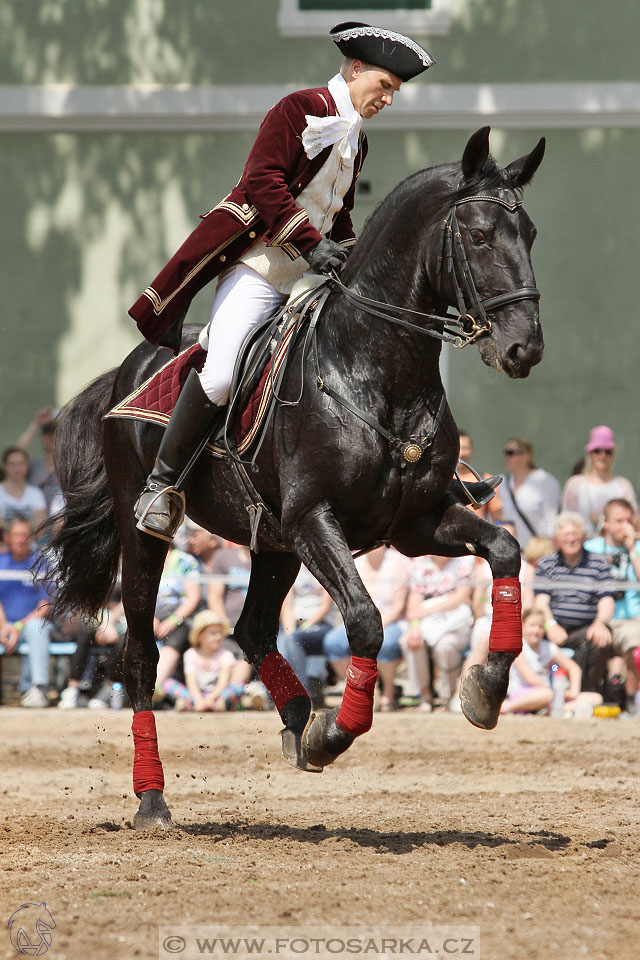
<point x="469" y="329"/>
<point x="468" y="300"/>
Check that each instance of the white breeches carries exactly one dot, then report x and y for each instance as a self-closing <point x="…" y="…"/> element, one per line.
<point x="243" y="298"/>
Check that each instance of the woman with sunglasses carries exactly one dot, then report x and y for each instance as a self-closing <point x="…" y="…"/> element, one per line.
<point x="587" y="493"/>
<point x="531" y="496"/>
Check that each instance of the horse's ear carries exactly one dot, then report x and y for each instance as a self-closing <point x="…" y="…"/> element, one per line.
<point x="476" y="153"/>
<point x="521" y="171"/>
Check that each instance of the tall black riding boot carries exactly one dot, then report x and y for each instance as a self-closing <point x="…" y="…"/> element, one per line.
<point x="160" y="507"/>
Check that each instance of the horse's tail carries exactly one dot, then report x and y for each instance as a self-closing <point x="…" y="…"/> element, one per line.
<point x="82" y="558"/>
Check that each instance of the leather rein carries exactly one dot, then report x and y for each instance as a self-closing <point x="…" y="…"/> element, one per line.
<point x="472" y="320"/>
<point x="470" y="328"/>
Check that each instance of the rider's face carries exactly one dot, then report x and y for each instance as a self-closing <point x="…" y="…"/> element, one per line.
<point x="371" y="88"/>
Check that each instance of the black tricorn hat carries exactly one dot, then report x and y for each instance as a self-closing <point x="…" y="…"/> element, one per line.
<point x="382" y="48"/>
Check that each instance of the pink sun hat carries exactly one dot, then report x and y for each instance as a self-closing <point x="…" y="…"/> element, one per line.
<point x="601" y="438"/>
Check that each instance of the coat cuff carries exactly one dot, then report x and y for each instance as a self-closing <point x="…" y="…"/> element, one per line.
<point x="296" y="236"/>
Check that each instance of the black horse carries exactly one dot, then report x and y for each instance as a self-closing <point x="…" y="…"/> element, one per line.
<point x="454" y="235"/>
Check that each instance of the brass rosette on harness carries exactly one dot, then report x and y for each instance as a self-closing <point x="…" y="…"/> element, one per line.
<point x="412" y="450"/>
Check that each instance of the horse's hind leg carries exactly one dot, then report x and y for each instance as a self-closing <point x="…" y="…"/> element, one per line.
<point x="142" y="562"/>
<point x="453" y="530"/>
<point x="272" y="575"/>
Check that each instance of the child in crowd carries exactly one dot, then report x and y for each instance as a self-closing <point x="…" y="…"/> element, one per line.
<point x="529" y="683"/>
<point x="211" y="672"/>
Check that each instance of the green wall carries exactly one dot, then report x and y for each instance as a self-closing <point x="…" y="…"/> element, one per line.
<point x="89" y="218"/>
<point x="213" y="41"/>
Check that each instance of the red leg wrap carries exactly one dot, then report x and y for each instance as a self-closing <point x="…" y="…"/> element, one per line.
<point x="280" y="680"/>
<point x="506" y="626"/>
<point x="356" y="710"/>
<point x="147" y="768"/>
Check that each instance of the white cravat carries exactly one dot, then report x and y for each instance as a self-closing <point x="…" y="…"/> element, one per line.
<point x="322" y="132"/>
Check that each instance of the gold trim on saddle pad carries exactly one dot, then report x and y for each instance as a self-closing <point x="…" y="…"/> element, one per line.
<point x="127" y="409"/>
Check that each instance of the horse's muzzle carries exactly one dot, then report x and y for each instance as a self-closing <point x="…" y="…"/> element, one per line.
<point x="518" y="359"/>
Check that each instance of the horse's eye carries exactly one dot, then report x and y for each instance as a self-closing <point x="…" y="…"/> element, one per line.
<point x="477" y="237"/>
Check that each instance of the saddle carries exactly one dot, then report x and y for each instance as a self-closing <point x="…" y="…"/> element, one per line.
<point x="257" y="376"/>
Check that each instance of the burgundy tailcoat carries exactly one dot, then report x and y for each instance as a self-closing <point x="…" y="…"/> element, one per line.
<point x="261" y="205"/>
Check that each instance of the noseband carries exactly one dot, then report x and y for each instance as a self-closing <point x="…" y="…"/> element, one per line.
<point x="472" y="321"/>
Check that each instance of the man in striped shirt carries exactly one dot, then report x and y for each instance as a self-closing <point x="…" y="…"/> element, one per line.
<point x="579" y="611"/>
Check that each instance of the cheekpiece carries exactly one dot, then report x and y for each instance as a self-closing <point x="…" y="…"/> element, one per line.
<point x="382" y="48"/>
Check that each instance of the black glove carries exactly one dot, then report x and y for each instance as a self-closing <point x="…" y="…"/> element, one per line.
<point x="327" y="255"/>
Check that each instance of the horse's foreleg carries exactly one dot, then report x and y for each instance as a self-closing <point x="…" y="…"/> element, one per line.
<point x="320" y="542"/>
<point x="141" y="569"/>
<point x="454" y="531"/>
<point x="272" y="575"/>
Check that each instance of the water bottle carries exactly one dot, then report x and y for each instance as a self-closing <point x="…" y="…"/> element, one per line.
<point x="559" y="686"/>
<point x="116" y="700"/>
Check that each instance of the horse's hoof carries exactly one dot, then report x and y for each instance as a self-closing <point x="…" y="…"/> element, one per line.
<point x="480" y="701"/>
<point x="151" y="823"/>
<point x="153" y="813"/>
<point x="292" y="749"/>
<point x="324" y="740"/>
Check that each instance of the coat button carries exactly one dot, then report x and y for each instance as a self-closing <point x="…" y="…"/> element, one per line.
<point x="252" y="234"/>
<point x="298" y="185"/>
<point x="222" y="258"/>
<point x="245" y="206"/>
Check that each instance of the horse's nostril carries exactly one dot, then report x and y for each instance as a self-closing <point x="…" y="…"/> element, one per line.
<point x="516" y="354"/>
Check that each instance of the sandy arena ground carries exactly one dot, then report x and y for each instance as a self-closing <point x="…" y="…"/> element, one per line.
<point x="530" y="833"/>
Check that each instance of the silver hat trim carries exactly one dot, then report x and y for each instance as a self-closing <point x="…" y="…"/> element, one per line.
<point x="385" y="35"/>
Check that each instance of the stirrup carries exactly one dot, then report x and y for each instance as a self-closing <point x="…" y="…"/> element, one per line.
<point x="178" y="506"/>
<point x="491" y="482"/>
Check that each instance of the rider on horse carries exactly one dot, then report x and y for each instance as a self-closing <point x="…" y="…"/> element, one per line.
<point x="290" y="211"/>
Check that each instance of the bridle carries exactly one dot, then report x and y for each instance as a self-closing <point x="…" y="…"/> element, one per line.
<point x="472" y="321"/>
<point x="469" y="330"/>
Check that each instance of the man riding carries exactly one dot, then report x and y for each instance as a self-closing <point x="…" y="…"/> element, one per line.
<point x="289" y="212"/>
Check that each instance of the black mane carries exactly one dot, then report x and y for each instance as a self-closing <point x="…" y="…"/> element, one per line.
<point x="441" y="177"/>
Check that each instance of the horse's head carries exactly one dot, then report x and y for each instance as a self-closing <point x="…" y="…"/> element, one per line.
<point x="486" y="270"/>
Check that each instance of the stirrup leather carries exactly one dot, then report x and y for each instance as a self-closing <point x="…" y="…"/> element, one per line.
<point x="178" y="506"/>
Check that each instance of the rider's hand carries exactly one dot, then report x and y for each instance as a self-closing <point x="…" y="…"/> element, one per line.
<point x="327" y="255"/>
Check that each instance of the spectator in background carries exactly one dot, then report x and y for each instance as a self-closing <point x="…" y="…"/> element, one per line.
<point x="202" y="545"/>
<point x="620" y="548"/>
<point x="535" y="550"/>
<point x="529" y="683"/>
<point x="577" y="617"/>
<point x="226" y="597"/>
<point x="212" y="679"/>
<point x="587" y="493"/>
<point x="493" y="510"/>
<point x="100" y="648"/>
<point x="17" y="497"/>
<point x="178" y="598"/>
<point x="42" y="470"/>
<point x="440" y="619"/>
<point x="385" y="574"/>
<point x="305" y="620"/>
<point x="24" y="606"/>
<point x="531" y="497"/>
